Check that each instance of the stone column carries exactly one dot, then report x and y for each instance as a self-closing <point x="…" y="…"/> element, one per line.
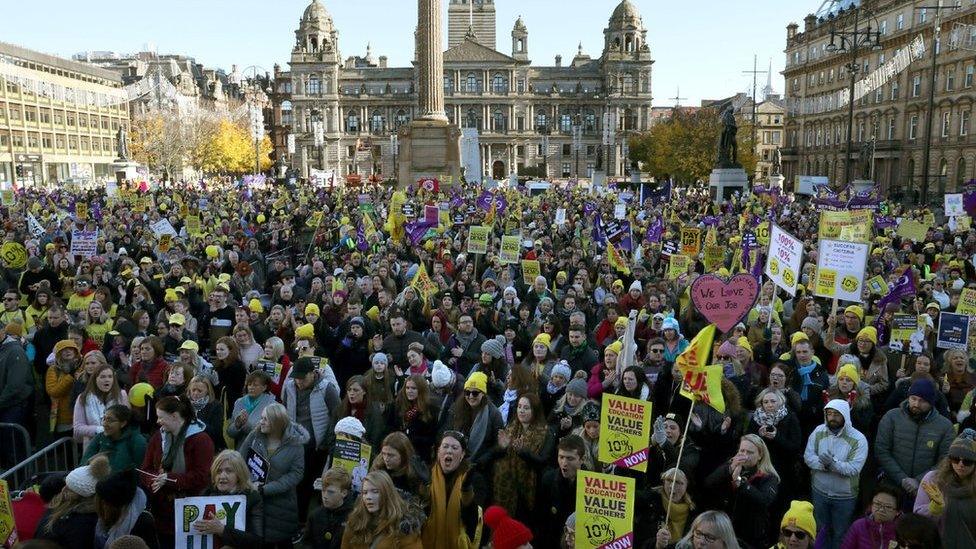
<point x="430" y="65"/>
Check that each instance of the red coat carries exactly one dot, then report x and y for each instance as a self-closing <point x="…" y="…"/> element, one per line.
<point x="155" y="373"/>
<point x="198" y="454"/>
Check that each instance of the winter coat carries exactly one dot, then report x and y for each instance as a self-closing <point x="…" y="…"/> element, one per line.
<point x="154" y="374"/>
<point x="58" y="385"/>
<point x="287" y="466"/>
<point x="323" y="402"/>
<point x="86" y="427"/>
<point x="556" y="501"/>
<point x="123" y="454"/>
<point x="748" y="505"/>
<point x="252" y="537"/>
<point x="212" y="415"/>
<point x="422" y="434"/>
<point x="867" y="533"/>
<point x="848" y="449"/>
<point x="957" y="522"/>
<point x="583" y="358"/>
<point x="198" y="455"/>
<point x="75" y="530"/>
<point x="909" y="448"/>
<point x="16" y="375"/>
<point x="324" y="527"/>
<point x="238" y="433"/>
<point x="877" y="372"/>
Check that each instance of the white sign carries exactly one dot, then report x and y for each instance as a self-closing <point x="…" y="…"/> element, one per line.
<point x="471" y="154"/>
<point x="785" y="259"/>
<point x="805" y="184"/>
<point x="561" y="216"/>
<point x="84" y="243"/>
<point x="163" y="226"/>
<point x="953" y="205"/>
<point x="840" y="270"/>
<point x="620" y="211"/>
<point x="34" y="226"/>
<point x="229" y="510"/>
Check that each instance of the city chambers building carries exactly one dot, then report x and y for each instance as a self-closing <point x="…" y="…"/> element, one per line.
<point x="894" y="94"/>
<point x="566" y="120"/>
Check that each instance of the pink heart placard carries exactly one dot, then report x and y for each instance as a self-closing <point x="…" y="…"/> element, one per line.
<point x="722" y="302"/>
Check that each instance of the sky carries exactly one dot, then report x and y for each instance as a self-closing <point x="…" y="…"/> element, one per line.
<point x="701" y="47"/>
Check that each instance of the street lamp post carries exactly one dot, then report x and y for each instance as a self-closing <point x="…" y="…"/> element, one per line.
<point x="930" y="113"/>
<point x="852" y="41"/>
<point x="395" y="146"/>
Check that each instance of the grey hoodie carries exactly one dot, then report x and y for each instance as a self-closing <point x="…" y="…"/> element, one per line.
<point x="843" y="453"/>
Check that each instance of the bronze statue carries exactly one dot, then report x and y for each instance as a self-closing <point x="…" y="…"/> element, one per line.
<point x="728" y="148"/>
<point x="777" y="162"/>
<point x="122" y="147"/>
<point x="864" y="159"/>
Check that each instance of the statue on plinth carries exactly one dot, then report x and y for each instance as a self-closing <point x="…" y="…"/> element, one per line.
<point x="728" y="148"/>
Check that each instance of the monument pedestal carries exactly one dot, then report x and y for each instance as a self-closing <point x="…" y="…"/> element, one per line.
<point x="776" y="181"/>
<point x="862" y="185"/>
<point x="725" y="181"/>
<point x="125" y="170"/>
<point x="429" y="148"/>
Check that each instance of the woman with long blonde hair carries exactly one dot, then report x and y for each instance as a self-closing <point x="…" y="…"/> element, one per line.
<point x="747" y="485"/>
<point x="381" y="518"/>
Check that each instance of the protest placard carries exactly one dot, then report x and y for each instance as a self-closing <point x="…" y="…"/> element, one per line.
<point x="530" y="270"/>
<point x="8" y="528"/>
<point x="509" y="251"/>
<point x="229" y="510"/>
<point x="193" y="225"/>
<point x="833" y="222"/>
<point x="353" y="456"/>
<point x="81" y="211"/>
<point x="7" y="197"/>
<point x="784" y="260"/>
<point x="478" y="239"/>
<point x="604" y="511"/>
<point x="903" y="326"/>
<point x="423" y="283"/>
<point x="953" y="331"/>
<point x="620" y="211"/>
<point x="625" y="430"/>
<point x="877" y="285"/>
<point x="257" y="465"/>
<point x="967" y="302"/>
<point x="560" y="216"/>
<point x="690" y="241"/>
<point x="14" y="255"/>
<point x="714" y="258"/>
<point x="273" y="369"/>
<point x="84" y="243"/>
<point x="913" y="230"/>
<point x="840" y="269"/>
<point x="163" y="226"/>
<point x="165" y="241"/>
<point x="677" y="266"/>
<point x="763" y="233"/>
<point x="724" y="302"/>
<point x="954" y="206"/>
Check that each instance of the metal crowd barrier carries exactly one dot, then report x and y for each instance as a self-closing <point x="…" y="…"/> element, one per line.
<point x="59" y="456"/>
<point x="15" y="444"/>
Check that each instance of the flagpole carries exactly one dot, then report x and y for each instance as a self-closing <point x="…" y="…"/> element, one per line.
<point x="681" y="449"/>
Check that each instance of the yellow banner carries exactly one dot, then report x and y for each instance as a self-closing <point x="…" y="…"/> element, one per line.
<point x="678" y="266"/>
<point x="625" y="430"/>
<point x="8" y="528"/>
<point x="478" y="239"/>
<point x="422" y="282"/>
<point x="314" y="220"/>
<point x="81" y="211"/>
<point x="705" y="385"/>
<point x="967" y="302"/>
<point x="509" y="251"/>
<point x="165" y="241"/>
<point x="193" y="225"/>
<point x="826" y="282"/>
<point x="604" y="511"/>
<point x="530" y="270"/>
<point x="832" y="224"/>
<point x="714" y="258"/>
<point x="690" y="241"/>
<point x="913" y="230"/>
<point x="616" y="261"/>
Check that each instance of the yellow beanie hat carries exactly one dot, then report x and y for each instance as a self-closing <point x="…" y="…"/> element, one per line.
<point x="800" y="515"/>
<point x="798" y="337"/>
<point x="616" y="347"/>
<point x="212" y="251"/>
<point x="544" y="339"/>
<point x="255" y="306"/>
<point x="621" y="321"/>
<point x="305" y="331"/>
<point x="869" y="333"/>
<point x="477" y="381"/>
<point x="849" y="370"/>
<point x="744" y="343"/>
<point x="857" y="310"/>
<point x="170" y="295"/>
<point x="312" y="309"/>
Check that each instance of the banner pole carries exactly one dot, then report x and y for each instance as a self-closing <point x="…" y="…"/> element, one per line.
<point x="681" y="450"/>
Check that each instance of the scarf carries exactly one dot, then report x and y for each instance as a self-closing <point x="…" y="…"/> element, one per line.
<point x="95" y="408"/>
<point x="420" y="370"/>
<point x="762" y="417"/>
<point x="479" y="429"/>
<point x="515" y="478"/>
<point x="173" y="459"/>
<point x="679" y="515"/>
<point x="199" y="403"/>
<point x="553" y="388"/>
<point x="127" y="521"/>
<point x="805" y="372"/>
<point x="464" y="340"/>
<point x="509" y="397"/>
<point x="444" y="529"/>
<point x="251" y="403"/>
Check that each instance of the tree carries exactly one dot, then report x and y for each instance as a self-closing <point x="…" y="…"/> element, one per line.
<point x="229" y="148"/>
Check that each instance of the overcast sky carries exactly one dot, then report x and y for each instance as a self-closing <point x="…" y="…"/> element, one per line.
<point x="701" y="47"/>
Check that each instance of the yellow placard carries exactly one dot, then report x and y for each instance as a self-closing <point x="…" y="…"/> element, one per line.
<point x="193" y="225"/>
<point x="903" y="326"/>
<point x="165" y="241"/>
<point x="967" y="302"/>
<point x="678" y="266"/>
<point x="604" y="510"/>
<point x="625" y="430"/>
<point x="8" y="528"/>
<point x="422" y="282"/>
<point x="963" y="224"/>
<point x="14" y="255"/>
<point x="826" y="282"/>
<point x="509" y="252"/>
<point x="690" y="241"/>
<point x="530" y="270"/>
<point x="762" y="233"/>
<point x="314" y="220"/>
<point x="913" y="230"/>
<point x="7" y="197"/>
<point x="353" y="456"/>
<point x="704" y="385"/>
<point x="81" y="210"/>
<point x="928" y="218"/>
<point x="878" y="285"/>
<point x="832" y="223"/>
<point x="478" y="239"/>
<point x="714" y="258"/>
<point x="855" y="233"/>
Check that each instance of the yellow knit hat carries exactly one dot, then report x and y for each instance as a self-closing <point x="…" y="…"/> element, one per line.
<point x="616" y="347"/>
<point x="869" y="333"/>
<point x="621" y="321"/>
<point x="849" y="370"/>
<point x="798" y="337"/>
<point x="544" y="339"/>
<point x="800" y="515"/>
<point x="305" y="331"/>
<point x="312" y="309"/>
<point x="255" y="306"/>
<point x="857" y="310"/>
<point x="477" y="381"/>
<point x="744" y="343"/>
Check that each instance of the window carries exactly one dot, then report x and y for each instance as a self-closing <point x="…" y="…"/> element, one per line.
<point x="447" y="84"/>
<point x="72" y="121"/>
<point x="286" y="113"/>
<point x="860" y="132"/>
<point x="891" y="127"/>
<point x="964" y="122"/>
<point x="913" y="127"/>
<point x="45" y="116"/>
<point x="30" y="115"/>
<point x="471" y="83"/>
<point x="498" y="84"/>
<point x="72" y="143"/>
<point x="922" y="15"/>
<point x="14" y="113"/>
<point x="376" y="123"/>
<point x="946" y="120"/>
<point x="900" y="21"/>
<point x="917" y="85"/>
<point x="566" y="123"/>
<point x="32" y="141"/>
<point x="541" y="121"/>
<point x="314" y="86"/>
<point x="499" y="122"/>
<point x="883" y="27"/>
<point x="894" y="89"/>
<point x="540" y="150"/>
<point x="969" y="76"/>
<point x="401" y="118"/>
<point x="878" y="95"/>
<point x="350" y="151"/>
<point x="520" y="85"/>
<point x="82" y="121"/>
<point x="950" y="78"/>
<point x="566" y="169"/>
<point x="352" y="123"/>
<point x="567" y="149"/>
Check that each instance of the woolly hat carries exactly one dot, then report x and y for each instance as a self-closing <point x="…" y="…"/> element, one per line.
<point x="305" y="331"/>
<point x="923" y="388"/>
<point x="590" y="412"/>
<point x="65" y="344"/>
<point x="544" y="339"/>
<point x="727" y="348"/>
<point x="964" y="446"/>
<point x="561" y="368"/>
<point x="350" y="426"/>
<point x="82" y="480"/>
<point x="477" y="381"/>
<point x="671" y="324"/>
<point x="381" y="358"/>
<point x="14" y="328"/>
<point x="800" y="515"/>
<point x="577" y="387"/>
<point x="494" y="347"/>
<point x="170" y="295"/>
<point x="857" y="310"/>
<point x="798" y="337"/>
<point x="312" y="309"/>
<point x="812" y="323"/>
<point x="440" y="375"/>
<point x="849" y="371"/>
<point x="255" y="306"/>
<point x="869" y="333"/>
<point x="357" y="321"/>
<point x="621" y="321"/>
<point x="744" y="343"/>
<point x="617" y="284"/>
<point x="636" y="285"/>
<point x="506" y="532"/>
<point x="118" y="489"/>
<point x="849" y="359"/>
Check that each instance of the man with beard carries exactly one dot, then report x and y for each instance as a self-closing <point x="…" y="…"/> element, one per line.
<point x="463" y="350"/>
<point x="557" y="498"/>
<point x="913" y="438"/>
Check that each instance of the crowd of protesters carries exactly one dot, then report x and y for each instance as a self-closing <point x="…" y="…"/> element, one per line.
<point x="281" y="319"/>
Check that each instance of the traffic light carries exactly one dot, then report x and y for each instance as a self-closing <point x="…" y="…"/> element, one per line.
<point x="20" y="170"/>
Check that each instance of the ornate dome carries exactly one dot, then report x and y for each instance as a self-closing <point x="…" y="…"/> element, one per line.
<point x="626" y="14"/>
<point x="315" y="10"/>
<point x="520" y="24"/>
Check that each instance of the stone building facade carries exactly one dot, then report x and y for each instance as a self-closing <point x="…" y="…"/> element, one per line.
<point x="342" y="114"/>
<point x="892" y="115"/>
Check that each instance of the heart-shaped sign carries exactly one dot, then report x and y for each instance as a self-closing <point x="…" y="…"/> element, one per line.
<point x="722" y="302"/>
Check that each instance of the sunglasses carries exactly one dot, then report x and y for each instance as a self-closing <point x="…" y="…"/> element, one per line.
<point x="472" y="393"/>
<point x="966" y="462"/>
<point x="798" y="534"/>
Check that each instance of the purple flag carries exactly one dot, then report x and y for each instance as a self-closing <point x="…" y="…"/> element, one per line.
<point x="655" y="230"/>
<point x="588" y="208"/>
<point x="884" y="221"/>
<point x="361" y="244"/>
<point x="416" y="230"/>
<point x="598" y="234"/>
<point x="710" y="220"/>
<point x="485" y="200"/>
<point x="904" y="287"/>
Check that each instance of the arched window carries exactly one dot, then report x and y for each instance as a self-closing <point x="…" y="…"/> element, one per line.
<point x="498" y="121"/>
<point x="541" y="121"/>
<point x="471" y="119"/>
<point x="376" y="123"/>
<point x="498" y="84"/>
<point x="286" y="113"/>
<point x="401" y="118"/>
<point x="565" y="123"/>
<point x="630" y="43"/>
<point x="960" y="173"/>
<point x="352" y="123"/>
<point x="314" y="86"/>
<point x="520" y="46"/>
<point x="943" y="167"/>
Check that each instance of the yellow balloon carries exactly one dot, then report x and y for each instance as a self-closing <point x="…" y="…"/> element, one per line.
<point x="139" y="392"/>
<point x="261" y="218"/>
<point x="212" y="251"/>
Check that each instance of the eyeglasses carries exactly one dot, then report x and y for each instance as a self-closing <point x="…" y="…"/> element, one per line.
<point x="966" y="462"/>
<point x="723" y="357"/>
<point x="882" y="506"/>
<point x="798" y="534"/>
<point x="472" y="393"/>
<point x="705" y="536"/>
